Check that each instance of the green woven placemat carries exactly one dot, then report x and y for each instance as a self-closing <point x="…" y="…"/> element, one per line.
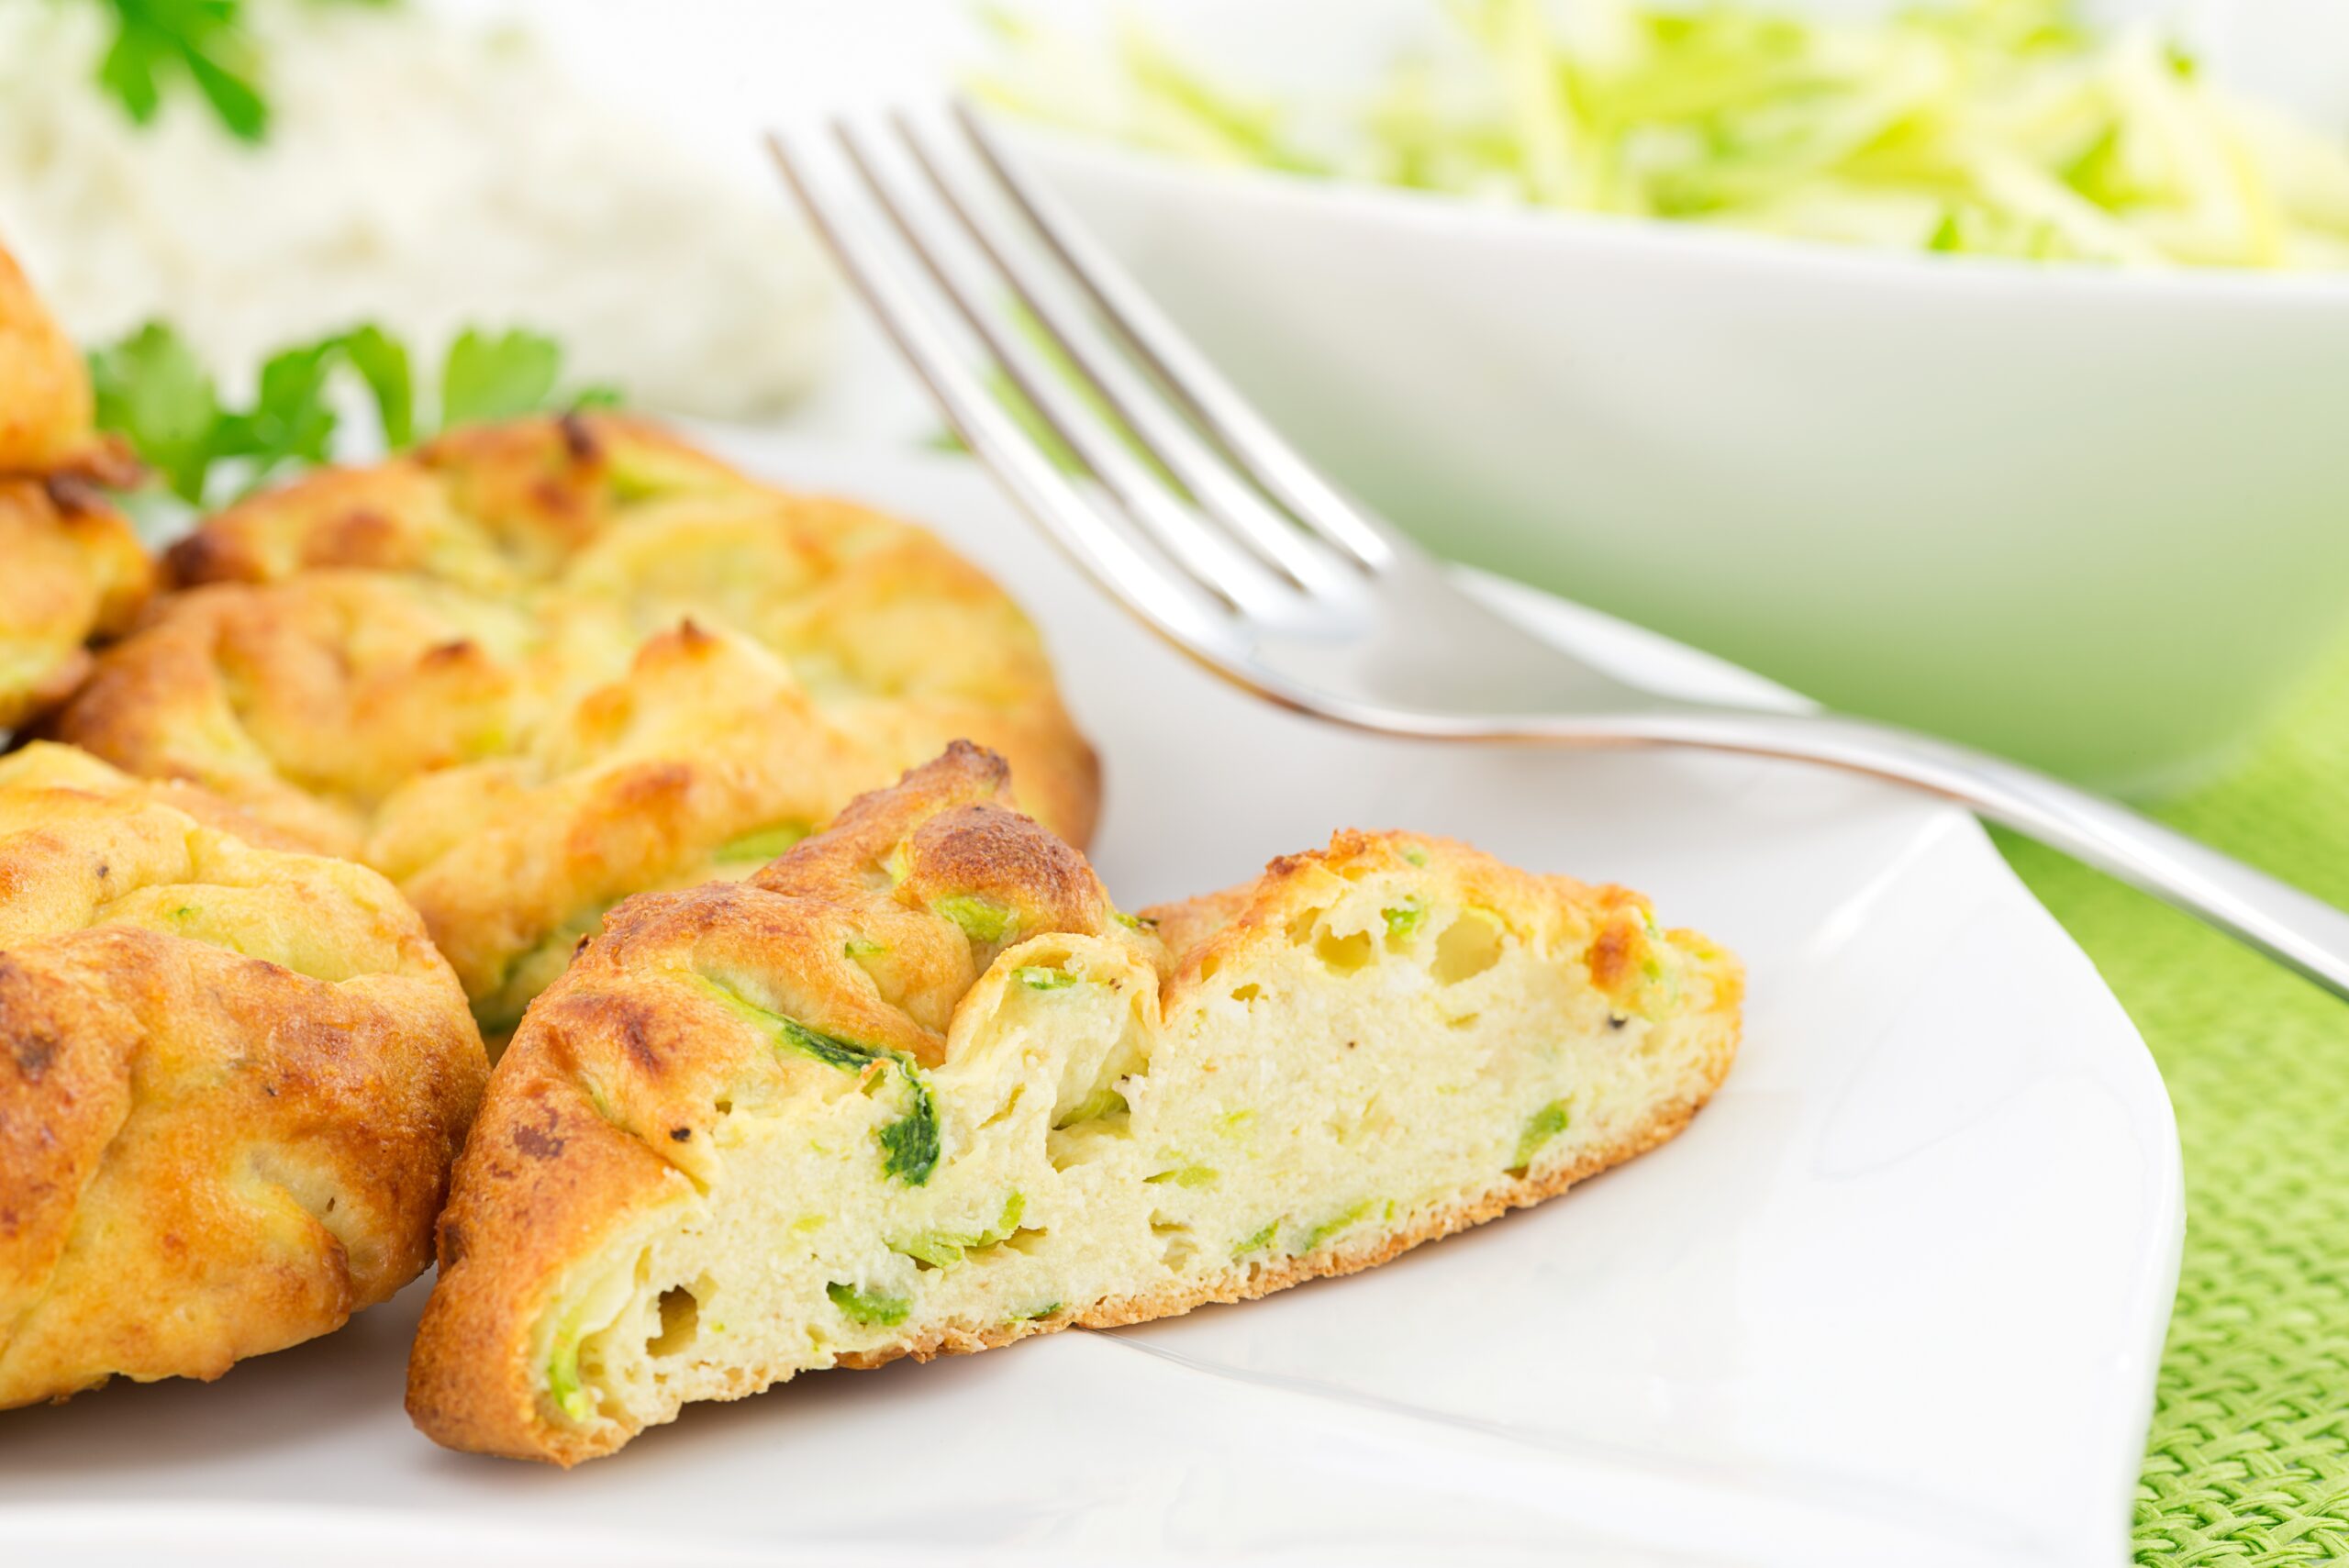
<point x="2249" y="1457"/>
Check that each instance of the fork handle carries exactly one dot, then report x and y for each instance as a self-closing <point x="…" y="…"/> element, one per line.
<point x="2295" y="928"/>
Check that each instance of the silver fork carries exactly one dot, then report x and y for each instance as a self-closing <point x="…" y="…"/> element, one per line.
<point x="1208" y="527"/>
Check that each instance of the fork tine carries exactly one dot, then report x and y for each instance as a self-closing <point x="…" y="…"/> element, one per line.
<point x="1217" y="405"/>
<point x="1207" y="555"/>
<point x="1151" y="591"/>
<point x="1156" y="426"/>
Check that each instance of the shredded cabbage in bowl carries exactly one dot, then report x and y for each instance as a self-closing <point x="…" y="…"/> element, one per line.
<point x="2000" y="128"/>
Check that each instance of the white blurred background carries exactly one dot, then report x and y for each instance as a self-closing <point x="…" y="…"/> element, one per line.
<point x="590" y="168"/>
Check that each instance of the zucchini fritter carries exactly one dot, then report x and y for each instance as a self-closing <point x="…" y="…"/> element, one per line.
<point x="69" y="570"/>
<point x="232" y="1080"/>
<point x="918" y="1088"/>
<point x="537" y="667"/>
<point x="46" y="408"/>
<point x="70" y="567"/>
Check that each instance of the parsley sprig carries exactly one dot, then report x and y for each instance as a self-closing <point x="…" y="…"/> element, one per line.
<point x="157" y="42"/>
<point x="157" y="39"/>
<point x="154" y="391"/>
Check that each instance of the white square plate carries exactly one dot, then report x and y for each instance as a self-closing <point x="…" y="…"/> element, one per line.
<point x="1896" y="1297"/>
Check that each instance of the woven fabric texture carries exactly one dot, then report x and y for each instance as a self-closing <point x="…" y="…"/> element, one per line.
<point x="2248" y="1461"/>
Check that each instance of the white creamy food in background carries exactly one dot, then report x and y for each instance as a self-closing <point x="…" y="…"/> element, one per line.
<point x="418" y="174"/>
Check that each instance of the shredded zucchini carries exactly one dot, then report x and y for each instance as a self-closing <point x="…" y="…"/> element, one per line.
<point x="2004" y="128"/>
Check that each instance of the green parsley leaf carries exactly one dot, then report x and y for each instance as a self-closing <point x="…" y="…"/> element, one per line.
<point x="382" y="362"/>
<point x="233" y="95"/>
<point x="290" y="420"/>
<point x="153" y="390"/>
<point x="497" y="377"/>
<point x="205" y="40"/>
<point x="128" y="70"/>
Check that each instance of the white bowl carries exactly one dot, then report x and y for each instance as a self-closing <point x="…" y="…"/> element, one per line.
<point x="2094" y="519"/>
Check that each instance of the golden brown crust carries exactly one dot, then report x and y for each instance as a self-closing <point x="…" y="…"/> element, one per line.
<point x="548" y="1180"/>
<point x="46" y="407"/>
<point x="73" y="571"/>
<point x="536" y="667"/>
<point x="501" y="506"/>
<point x="232" y="1083"/>
<point x="602" y="1110"/>
<point x="1609" y="925"/>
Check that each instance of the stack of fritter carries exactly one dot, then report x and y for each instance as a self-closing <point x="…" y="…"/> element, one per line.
<point x="526" y="670"/>
<point x="232" y="1075"/>
<point x="397" y="740"/>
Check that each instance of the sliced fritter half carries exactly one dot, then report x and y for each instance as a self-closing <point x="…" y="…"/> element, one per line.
<point x="535" y="667"/>
<point x="233" y="1079"/>
<point x="916" y="1087"/>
